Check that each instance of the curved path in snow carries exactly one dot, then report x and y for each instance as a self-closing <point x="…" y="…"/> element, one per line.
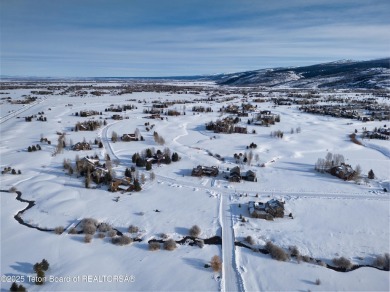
<point x="381" y="149"/>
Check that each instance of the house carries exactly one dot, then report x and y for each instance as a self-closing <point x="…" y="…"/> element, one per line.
<point x="269" y="210"/>
<point x="235" y="174"/>
<point x="249" y="176"/>
<point x="123" y="184"/>
<point x="241" y="130"/>
<point x="129" y="137"/>
<point x="81" y="146"/>
<point x="205" y="170"/>
<point x="343" y="171"/>
<point x="157" y="158"/>
<point x="117" y="117"/>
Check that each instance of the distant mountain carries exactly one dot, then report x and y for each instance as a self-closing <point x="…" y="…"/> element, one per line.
<point x="339" y="74"/>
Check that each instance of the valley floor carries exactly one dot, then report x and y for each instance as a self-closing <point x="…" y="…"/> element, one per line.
<point x="330" y="217"/>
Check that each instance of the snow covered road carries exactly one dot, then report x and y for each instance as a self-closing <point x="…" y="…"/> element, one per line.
<point x="231" y="277"/>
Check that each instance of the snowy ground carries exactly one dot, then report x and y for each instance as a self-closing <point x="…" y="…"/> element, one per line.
<point x="331" y="217"/>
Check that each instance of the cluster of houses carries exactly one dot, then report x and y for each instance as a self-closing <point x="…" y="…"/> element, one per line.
<point x="119" y="108"/>
<point x="80" y="146"/>
<point x="268" y="210"/>
<point x="353" y="111"/>
<point x="235" y="174"/>
<point x="265" y="118"/>
<point x="90" y="125"/>
<point x="226" y="126"/>
<point x="241" y="111"/>
<point x="88" y="113"/>
<point x="380" y="133"/>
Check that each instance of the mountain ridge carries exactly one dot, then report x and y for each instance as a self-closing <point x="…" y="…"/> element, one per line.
<point x="346" y="74"/>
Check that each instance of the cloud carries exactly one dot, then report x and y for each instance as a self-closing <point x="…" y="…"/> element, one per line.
<point x="194" y="38"/>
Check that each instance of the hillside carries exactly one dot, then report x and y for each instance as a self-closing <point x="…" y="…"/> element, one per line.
<point x="344" y="74"/>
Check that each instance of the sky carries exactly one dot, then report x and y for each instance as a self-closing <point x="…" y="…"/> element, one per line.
<point x="151" y="38"/>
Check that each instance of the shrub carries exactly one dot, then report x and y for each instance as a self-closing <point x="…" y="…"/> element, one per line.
<point x="153" y="245"/>
<point x="101" y="235"/>
<point x="170" y="244"/>
<point x="122" y="240"/>
<point x="342" y="262"/>
<point x="164" y="236"/>
<point x="249" y="239"/>
<point x="195" y="231"/>
<point x="12" y="190"/>
<point x="306" y="258"/>
<point x="276" y="252"/>
<point x="89" y="221"/>
<point x="73" y="230"/>
<point x="112" y="233"/>
<point x="59" y="230"/>
<point x="318" y="282"/>
<point x="382" y="261"/>
<point x="133" y="229"/>
<point x="89" y="229"/>
<point x="294" y="251"/>
<point x="87" y="238"/>
<point x="216" y="263"/>
<point x="104" y="227"/>
<point x="200" y="243"/>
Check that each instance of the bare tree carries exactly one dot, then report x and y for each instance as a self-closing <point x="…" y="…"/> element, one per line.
<point x="137" y="133"/>
<point x="114" y="136"/>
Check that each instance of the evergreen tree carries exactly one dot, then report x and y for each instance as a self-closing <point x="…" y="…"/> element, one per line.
<point x="134" y="157"/>
<point x="137" y="185"/>
<point x="140" y="162"/>
<point x="37" y="267"/>
<point x="175" y="157"/>
<point x="128" y="173"/>
<point x="148" y="165"/>
<point x="40" y="278"/>
<point x="167" y="159"/>
<point x="371" y="174"/>
<point x="100" y="144"/>
<point x="29" y="149"/>
<point x="14" y="287"/>
<point x="45" y="265"/>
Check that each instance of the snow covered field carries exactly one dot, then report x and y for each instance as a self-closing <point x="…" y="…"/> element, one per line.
<point x="332" y="217"/>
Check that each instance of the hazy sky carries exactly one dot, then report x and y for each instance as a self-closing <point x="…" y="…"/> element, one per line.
<point x="91" y="38"/>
